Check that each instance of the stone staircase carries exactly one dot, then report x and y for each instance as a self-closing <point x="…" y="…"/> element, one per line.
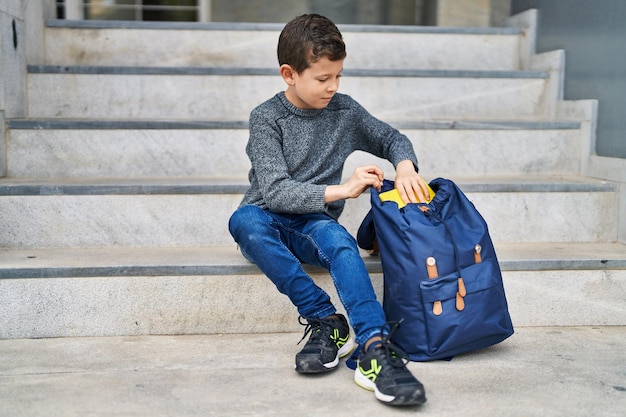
<point x="121" y="179"/>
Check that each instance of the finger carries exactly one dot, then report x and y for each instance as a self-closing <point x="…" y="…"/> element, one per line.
<point x="422" y="190"/>
<point x="376" y="181"/>
<point x="374" y="169"/>
<point x="404" y="195"/>
<point x="366" y="178"/>
<point x="373" y="175"/>
<point x="414" y="194"/>
<point x="379" y="172"/>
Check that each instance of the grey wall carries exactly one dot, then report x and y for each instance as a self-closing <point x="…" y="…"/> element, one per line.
<point x="593" y="35"/>
<point x="12" y="68"/>
<point x="13" y="62"/>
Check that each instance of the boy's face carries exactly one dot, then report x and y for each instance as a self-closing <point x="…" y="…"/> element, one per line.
<point x="315" y="86"/>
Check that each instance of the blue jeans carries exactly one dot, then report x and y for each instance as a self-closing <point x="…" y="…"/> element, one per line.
<point x="280" y="243"/>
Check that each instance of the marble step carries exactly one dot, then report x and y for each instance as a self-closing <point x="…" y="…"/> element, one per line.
<point x="212" y="290"/>
<point x="119" y="149"/>
<point x="186" y="93"/>
<point x="175" y="212"/>
<point x="89" y="42"/>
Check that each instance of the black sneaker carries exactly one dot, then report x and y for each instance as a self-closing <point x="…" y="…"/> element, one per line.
<point x="329" y="341"/>
<point x="382" y="369"/>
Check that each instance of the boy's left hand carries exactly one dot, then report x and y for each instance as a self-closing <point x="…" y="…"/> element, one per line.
<point x="411" y="187"/>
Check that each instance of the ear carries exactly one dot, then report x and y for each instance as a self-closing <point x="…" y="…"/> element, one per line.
<point x="288" y="74"/>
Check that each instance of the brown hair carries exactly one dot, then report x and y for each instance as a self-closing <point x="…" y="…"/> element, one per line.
<point x="308" y="38"/>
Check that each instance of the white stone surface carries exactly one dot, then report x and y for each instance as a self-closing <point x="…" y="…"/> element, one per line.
<point x="143" y="305"/>
<point x="3" y="146"/>
<point x="128" y="153"/>
<point x="228" y="48"/>
<point x="530" y="216"/>
<point x="527" y="21"/>
<point x="248" y="302"/>
<point x="169" y="97"/>
<point x="400" y="98"/>
<point x="185" y="97"/>
<point x="116" y="220"/>
<point x="50" y="221"/>
<point x="458" y="152"/>
<point x="549" y="217"/>
<point x="13" y="63"/>
<point x="93" y="306"/>
<point x="76" y="153"/>
<point x="12" y="8"/>
<point x="543" y="371"/>
<point x="167" y="48"/>
<point x="566" y="297"/>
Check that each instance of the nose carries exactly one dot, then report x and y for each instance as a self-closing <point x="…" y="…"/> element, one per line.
<point x="333" y="85"/>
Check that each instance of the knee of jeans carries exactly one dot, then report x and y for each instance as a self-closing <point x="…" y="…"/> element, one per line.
<point x="343" y="244"/>
<point x="247" y="223"/>
<point x="342" y="239"/>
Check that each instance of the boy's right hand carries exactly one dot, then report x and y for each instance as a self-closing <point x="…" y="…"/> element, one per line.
<point x="362" y="178"/>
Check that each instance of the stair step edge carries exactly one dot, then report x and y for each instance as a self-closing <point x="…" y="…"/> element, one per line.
<point x="66" y="124"/>
<point x="227" y="261"/>
<point x="245" y="26"/>
<point x="238" y="71"/>
<point x="227" y="185"/>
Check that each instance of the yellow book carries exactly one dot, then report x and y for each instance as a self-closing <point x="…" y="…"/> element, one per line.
<point x="394" y="195"/>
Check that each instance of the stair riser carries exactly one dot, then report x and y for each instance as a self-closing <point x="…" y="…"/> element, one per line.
<point x="181" y="153"/>
<point x="127" y="153"/>
<point x="226" y="48"/>
<point x="65" y="307"/>
<point x="201" y="219"/>
<point x="117" y="220"/>
<point x="530" y="216"/>
<point x="225" y="97"/>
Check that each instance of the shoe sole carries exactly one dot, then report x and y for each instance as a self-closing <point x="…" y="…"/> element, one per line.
<point x="363" y="381"/>
<point x="413" y="398"/>
<point x="308" y="368"/>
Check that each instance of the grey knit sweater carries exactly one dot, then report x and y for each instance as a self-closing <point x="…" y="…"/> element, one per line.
<point x="296" y="153"/>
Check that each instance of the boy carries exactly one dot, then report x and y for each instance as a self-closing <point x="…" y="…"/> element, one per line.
<point x="299" y="141"/>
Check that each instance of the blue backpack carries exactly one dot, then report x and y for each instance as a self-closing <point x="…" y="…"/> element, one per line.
<point x="442" y="280"/>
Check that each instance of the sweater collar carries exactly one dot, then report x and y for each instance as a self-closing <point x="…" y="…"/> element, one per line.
<point x="295" y="110"/>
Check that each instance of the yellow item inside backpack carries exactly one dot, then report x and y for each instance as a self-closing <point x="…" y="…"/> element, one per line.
<point x="394" y="195"/>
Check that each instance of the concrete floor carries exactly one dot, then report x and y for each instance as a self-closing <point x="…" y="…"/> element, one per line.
<point x="539" y="371"/>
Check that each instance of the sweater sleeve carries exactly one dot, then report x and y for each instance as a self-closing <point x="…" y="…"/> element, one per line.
<point x="383" y="140"/>
<point x="279" y="191"/>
